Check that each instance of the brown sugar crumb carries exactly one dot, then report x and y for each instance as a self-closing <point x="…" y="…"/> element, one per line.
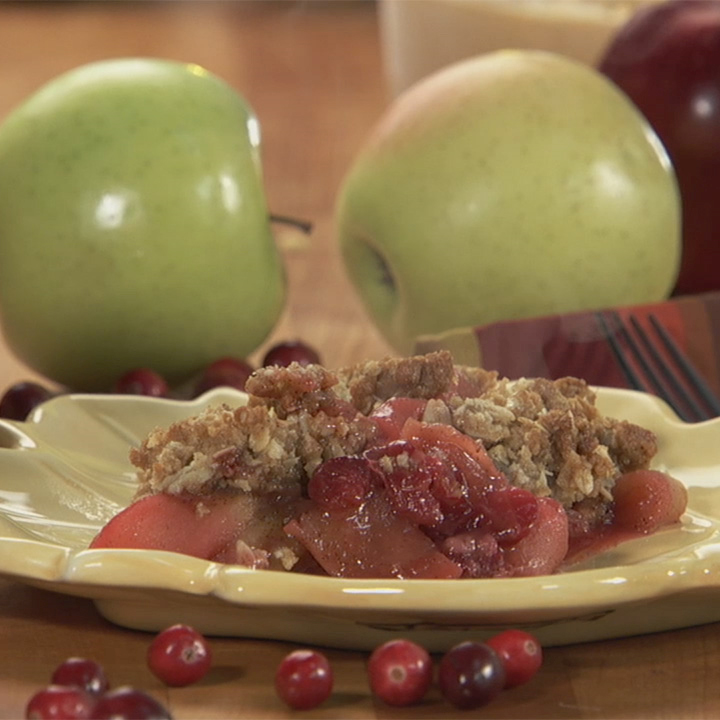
<point x="247" y="449"/>
<point x="546" y="436"/>
<point x="295" y="389"/>
<point x="422" y="376"/>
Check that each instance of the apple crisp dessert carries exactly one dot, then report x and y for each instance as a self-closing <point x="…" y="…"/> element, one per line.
<point x="405" y="467"/>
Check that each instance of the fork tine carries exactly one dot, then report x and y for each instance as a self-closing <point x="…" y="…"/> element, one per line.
<point x="611" y="333"/>
<point x="653" y="383"/>
<point x="688" y="368"/>
<point x="678" y="390"/>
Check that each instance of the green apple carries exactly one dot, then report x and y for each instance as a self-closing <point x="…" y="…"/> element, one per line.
<point x="134" y="228"/>
<point x="511" y="185"/>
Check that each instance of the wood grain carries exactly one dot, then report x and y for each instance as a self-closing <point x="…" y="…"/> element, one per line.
<point x="313" y="72"/>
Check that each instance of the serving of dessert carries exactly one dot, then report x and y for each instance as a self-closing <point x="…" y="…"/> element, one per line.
<point x="402" y="468"/>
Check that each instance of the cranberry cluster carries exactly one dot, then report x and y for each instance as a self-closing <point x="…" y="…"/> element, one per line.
<point x="22" y="398"/>
<point x="400" y="672"/>
<point x="79" y="688"/>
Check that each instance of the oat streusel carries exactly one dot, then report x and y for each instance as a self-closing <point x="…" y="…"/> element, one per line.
<point x="546" y="436"/>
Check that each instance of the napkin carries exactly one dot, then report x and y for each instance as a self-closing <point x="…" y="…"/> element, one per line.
<point x="578" y="344"/>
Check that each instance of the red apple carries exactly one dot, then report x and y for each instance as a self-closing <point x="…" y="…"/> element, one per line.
<point x="667" y="60"/>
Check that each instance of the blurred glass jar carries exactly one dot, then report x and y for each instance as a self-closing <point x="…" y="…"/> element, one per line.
<point x="421" y="36"/>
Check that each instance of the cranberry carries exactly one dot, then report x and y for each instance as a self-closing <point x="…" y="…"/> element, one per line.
<point x="510" y="513"/>
<point x="521" y="655"/>
<point x="226" y="372"/>
<point x="400" y="672"/>
<point x="470" y="675"/>
<point x="304" y="679"/>
<point x="126" y="703"/>
<point x="342" y="482"/>
<point x="289" y="352"/>
<point x="82" y="673"/>
<point x="179" y="656"/>
<point x="142" y="382"/>
<point x="21" y="399"/>
<point x="58" y="702"/>
<point x="476" y="551"/>
<point x="411" y="484"/>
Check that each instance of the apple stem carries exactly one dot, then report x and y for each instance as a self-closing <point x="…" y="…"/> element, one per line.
<point x="303" y="225"/>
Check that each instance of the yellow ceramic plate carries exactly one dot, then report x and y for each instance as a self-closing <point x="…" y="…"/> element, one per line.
<point x="65" y="473"/>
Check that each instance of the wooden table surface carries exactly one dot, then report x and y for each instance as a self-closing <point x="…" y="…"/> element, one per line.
<point x="313" y="72"/>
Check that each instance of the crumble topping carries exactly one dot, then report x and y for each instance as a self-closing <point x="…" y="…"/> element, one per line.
<point x="545" y="436"/>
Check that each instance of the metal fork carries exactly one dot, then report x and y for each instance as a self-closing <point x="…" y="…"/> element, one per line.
<point x="654" y="363"/>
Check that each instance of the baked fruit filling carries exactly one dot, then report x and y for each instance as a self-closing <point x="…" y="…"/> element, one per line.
<point x="407" y="468"/>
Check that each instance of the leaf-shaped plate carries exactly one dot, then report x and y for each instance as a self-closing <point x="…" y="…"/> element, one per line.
<point x="65" y="472"/>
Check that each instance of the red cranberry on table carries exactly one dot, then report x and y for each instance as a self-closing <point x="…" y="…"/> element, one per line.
<point x="292" y="351"/>
<point x="142" y="381"/>
<point x="521" y="655"/>
<point x="471" y="675"/>
<point x="127" y="703"/>
<point x="83" y="673"/>
<point x="21" y="399"/>
<point x="57" y="702"/>
<point x="179" y="656"/>
<point x="226" y="372"/>
<point x="400" y="672"/>
<point x="304" y="679"/>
